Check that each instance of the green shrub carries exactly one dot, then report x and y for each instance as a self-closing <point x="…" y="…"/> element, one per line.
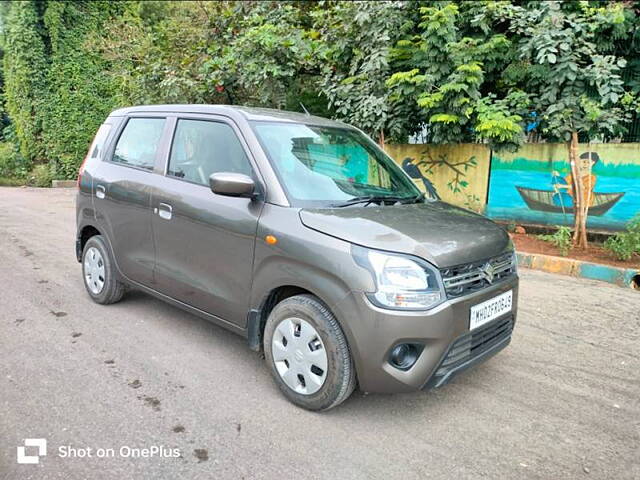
<point x="561" y="239"/>
<point x="623" y="245"/>
<point x="64" y="168"/>
<point x="41" y="176"/>
<point x="10" y="182"/>
<point x="12" y="164"/>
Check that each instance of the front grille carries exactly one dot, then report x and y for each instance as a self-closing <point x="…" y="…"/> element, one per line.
<point x="471" y="346"/>
<point x="471" y="277"/>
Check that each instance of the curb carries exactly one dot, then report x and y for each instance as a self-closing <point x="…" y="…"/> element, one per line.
<point x="63" y="183"/>
<point x="623" y="277"/>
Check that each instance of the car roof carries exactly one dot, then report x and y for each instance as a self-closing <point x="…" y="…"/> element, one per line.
<point x="249" y="113"/>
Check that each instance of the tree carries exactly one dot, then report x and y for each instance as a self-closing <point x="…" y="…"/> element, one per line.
<point x="449" y="65"/>
<point x="249" y="53"/>
<point x="267" y="57"/>
<point x="575" y="86"/>
<point x="356" y="39"/>
<point x="156" y="51"/>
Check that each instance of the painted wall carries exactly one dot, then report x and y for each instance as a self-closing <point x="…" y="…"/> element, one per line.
<point x="469" y="174"/>
<point x="459" y="173"/>
<point x="529" y="186"/>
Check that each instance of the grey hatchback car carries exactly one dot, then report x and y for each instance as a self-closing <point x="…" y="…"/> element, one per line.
<point x="301" y="235"/>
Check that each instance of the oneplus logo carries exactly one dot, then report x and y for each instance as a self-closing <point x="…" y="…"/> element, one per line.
<point x="41" y="443"/>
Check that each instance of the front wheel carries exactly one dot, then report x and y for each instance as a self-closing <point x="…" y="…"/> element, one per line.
<point x="308" y="354"/>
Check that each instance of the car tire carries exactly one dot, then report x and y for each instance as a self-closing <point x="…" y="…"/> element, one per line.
<point x="294" y="362"/>
<point x="99" y="274"/>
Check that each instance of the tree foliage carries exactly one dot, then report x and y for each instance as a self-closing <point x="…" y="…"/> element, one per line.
<point x="356" y="39"/>
<point x="483" y="71"/>
<point x="575" y="82"/>
<point x="450" y="67"/>
<point x="81" y="96"/>
<point x="24" y="67"/>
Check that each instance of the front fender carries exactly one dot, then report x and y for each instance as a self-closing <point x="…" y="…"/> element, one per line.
<point x="277" y="272"/>
<point x="307" y="259"/>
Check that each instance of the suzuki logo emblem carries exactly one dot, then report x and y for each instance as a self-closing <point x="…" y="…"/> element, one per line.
<point x="488" y="272"/>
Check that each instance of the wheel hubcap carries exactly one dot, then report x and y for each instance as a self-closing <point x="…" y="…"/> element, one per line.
<point x="94" y="270"/>
<point x="299" y="355"/>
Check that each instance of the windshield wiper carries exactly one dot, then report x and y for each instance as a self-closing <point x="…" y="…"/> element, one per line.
<point x="367" y="199"/>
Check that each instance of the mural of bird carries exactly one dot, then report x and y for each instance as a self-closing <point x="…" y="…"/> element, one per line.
<point x="414" y="171"/>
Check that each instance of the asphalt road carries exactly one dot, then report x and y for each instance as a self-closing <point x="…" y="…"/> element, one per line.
<point x="562" y="401"/>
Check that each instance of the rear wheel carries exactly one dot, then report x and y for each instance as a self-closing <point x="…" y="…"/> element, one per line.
<point x="308" y="354"/>
<point x="99" y="274"/>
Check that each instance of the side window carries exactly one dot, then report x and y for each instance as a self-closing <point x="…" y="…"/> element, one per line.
<point x="202" y="147"/>
<point x="97" y="146"/>
<point x="139" y="142"/>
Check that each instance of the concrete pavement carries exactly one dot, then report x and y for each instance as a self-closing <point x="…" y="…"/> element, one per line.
<point x="562" y="401"/>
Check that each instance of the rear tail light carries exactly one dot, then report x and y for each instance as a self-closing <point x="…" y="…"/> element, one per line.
<point x="81" y="170"/>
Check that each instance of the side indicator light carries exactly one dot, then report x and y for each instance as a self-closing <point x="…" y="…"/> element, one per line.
<point x="271" y="240"/>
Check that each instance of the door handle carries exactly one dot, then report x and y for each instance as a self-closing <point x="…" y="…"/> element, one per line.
<point x="165" y="211"/>
<point x="101" y="191"/>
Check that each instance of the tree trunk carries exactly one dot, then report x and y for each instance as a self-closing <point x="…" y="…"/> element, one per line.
<point x="581" y="204"/>
<point x="381" y="139"/>
<point x="587" y="203"/>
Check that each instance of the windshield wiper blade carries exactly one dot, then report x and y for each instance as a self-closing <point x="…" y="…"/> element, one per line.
<point x="366" y="199"/>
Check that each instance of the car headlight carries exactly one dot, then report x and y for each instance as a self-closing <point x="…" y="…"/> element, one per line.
<point x="402" y="282"/>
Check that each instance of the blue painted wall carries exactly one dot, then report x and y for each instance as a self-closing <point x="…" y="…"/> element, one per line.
<point x="618" y="170"/>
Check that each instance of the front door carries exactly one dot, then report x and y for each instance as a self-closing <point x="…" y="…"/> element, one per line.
<point x="205" y="242"/>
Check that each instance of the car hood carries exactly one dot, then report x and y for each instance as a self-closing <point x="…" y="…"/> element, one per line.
<point x="436" y="231"/>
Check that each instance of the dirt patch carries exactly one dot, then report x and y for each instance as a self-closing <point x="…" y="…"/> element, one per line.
<point x="528" y="243"/>
<point x="152" y="402"/>
<point x="76" y="334"/>
<point x="178" y="429"/>
<point x="201" y="454"/>
<point x="58" y="314"/>
<point x="135" y="384"/>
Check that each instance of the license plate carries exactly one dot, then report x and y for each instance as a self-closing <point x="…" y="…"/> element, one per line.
<point x="491" y="309"/>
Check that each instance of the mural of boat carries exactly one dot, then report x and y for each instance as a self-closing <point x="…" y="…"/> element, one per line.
<point x="542" y="200"/>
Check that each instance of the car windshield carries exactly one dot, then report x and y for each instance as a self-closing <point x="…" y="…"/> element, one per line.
<point x="329" y="166"/>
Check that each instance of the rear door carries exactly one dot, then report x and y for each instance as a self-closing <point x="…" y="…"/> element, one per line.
<point x="205" y="242"/>
<point x="122" y="187"/>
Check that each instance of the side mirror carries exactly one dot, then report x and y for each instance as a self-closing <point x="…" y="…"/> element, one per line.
<point x="232" y="184"/>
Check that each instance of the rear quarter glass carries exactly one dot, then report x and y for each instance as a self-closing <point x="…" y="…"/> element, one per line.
<point x="97" y="146"/>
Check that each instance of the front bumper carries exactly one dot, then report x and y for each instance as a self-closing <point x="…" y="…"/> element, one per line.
<point x="449" y="346"/>
<point x="472" y="348"/>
